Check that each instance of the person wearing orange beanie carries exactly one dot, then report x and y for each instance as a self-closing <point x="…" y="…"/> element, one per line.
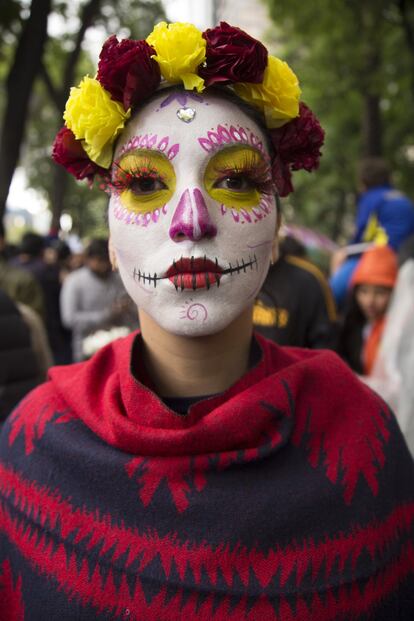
<point x="371" y="288"/>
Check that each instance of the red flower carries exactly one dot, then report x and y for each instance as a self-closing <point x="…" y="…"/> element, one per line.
<point x="232" y="56"/>
<point x="297" y="145"/>
<point x="127" y="71"/>
<point x="281" y="176"/>
<point x="70" y="153"/>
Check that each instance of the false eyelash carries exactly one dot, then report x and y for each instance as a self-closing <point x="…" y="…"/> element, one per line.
<point x="258" y="173"/>
<point x="124" y="178"/>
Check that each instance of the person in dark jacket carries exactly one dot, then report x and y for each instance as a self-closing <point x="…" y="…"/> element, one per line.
<point x="295" y="306"/>
<point x="20" y="370"/>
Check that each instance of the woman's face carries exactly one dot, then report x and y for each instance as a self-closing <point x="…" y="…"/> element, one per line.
<point x="373" y="300"/>
<point x="192" y="212"/>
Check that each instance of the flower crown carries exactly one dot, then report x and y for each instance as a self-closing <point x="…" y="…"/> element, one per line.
<point x="129" y="72"/>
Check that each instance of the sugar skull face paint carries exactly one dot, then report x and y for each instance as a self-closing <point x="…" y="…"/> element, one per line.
<point x="197" y="245"/>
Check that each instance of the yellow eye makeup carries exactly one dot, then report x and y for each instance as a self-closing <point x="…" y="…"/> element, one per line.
<point x="145" y="180"/>
<point x="237" y="177"/>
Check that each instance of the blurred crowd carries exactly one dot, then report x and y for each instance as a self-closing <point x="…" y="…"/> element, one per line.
<point x="58" y="306"/>
<point x="53" y="301"/>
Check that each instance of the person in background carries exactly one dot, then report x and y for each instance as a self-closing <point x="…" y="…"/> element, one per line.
<point x="30" y="255"/>
<point x="295" y="306"/>
<point x="64" y="258"/>
<point x="24" y="353"/>
<point x="19" y="284"/>
<point x="372" y="284"/>
<point x="384" y="216"/>
<point x="91" y="296"/>
<point x="31" y="258"/>
<point x="392" y="374"/>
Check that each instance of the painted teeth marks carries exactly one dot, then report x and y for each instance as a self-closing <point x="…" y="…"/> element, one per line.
<point x="184" y="281"/>
<point x="242" y="216"/>
<point x="148" y="141"/>
<point x="145" y="278"/>
<point x="222" y="136"/>
<point x="252" y="264"/>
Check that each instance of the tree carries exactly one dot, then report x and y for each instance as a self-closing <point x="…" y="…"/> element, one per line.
<point x="23" y="71"/>
<point x="93" y="12"/>
<point x="355" y="64"/>
<point x="61" y="65"/>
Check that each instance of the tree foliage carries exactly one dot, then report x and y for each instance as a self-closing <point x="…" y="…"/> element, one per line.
<point x="64" y="60"/>
<point x="356" y="68"/>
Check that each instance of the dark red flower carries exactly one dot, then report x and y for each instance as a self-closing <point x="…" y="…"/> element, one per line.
<point x="282" y="177"/>
<point x="127" y="71"/>
<point x="232" y="56"/>
<point x="298" y="146"/>
<point x="70" y="153"/>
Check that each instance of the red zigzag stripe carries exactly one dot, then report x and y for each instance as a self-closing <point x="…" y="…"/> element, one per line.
<point x="105" y="596"/>
<point x="43" y="505"/>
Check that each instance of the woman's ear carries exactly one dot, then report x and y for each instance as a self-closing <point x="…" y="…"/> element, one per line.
<point x="112" y="255"/>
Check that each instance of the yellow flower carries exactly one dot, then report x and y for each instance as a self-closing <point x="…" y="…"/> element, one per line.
<point x="278" y="95"/>
<point x="95" y="119"/>
<point x="180" y="49"/>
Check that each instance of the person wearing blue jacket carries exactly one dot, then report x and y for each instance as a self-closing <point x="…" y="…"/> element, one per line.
<point x="385" y="216"/>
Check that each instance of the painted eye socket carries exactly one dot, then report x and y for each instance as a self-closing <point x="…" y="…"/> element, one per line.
<point x="142" y="186"/>
<point x="235" y="183"/>
<point x="238" y="177"/>
<point x="144" y="180"/>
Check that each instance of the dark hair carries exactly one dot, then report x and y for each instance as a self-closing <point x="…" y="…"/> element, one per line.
<point x="62" y="249"/>
<point x="289" y="245"/>
<point x="374" y="172"/>
<point x="98" y="248"/>
<point x="350" y="341"/>
<point x="32" y="244"/>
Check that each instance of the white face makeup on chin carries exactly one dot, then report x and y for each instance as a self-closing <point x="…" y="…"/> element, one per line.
<point x="192" y="214"/>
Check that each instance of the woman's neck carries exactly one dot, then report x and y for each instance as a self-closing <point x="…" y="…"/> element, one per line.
<point x="182" y="366"/>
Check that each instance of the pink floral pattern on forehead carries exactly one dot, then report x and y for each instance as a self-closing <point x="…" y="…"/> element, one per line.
<point x="232" y="135"/>
<point x="148" y="141"/>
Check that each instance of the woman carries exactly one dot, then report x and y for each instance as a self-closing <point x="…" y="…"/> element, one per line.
<point x="371" y="288"/>
<point x="193" y="471"/>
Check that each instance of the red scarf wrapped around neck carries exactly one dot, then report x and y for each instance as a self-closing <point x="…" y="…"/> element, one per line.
<point x="289" y="496"/>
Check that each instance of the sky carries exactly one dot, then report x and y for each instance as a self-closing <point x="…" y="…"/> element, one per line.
<point x="198" y="12"/>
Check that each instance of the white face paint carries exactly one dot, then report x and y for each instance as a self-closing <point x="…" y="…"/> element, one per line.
<point x="192" y="215"/>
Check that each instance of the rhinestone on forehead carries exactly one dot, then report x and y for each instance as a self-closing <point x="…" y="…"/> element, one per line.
<point x="186" y="114"/>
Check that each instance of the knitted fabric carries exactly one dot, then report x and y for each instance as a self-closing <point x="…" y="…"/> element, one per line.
<point x="288" y="497"/>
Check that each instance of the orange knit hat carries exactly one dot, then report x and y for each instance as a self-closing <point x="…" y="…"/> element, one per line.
<point x="378" y="266"/>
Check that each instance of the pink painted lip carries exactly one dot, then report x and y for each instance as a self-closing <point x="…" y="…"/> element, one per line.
<point x="191" y="273"/>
